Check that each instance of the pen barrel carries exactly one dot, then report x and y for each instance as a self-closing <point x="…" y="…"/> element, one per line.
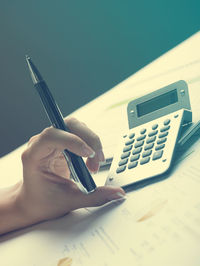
<point x="50" y="106"/>
<point x="82" y="172"/>
<point x="55" y="116"/>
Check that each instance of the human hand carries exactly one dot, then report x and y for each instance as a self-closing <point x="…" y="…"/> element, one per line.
<point x="46" y="191"/>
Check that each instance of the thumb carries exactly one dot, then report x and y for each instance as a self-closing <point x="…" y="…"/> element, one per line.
<point x="102" y="195"/>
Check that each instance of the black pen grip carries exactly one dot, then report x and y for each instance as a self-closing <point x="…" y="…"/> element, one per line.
<point x="82" y="172"/>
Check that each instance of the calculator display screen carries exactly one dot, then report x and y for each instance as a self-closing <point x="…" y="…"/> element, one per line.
<point x="157" y="103"/>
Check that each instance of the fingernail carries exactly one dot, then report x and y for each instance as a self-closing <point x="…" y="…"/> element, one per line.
<point x="116" y="196"/>
<point x="92" y="155"/>
<point x="94" y="173"/>
<point x="88" y="152"/>
<point x="100" y="155"/>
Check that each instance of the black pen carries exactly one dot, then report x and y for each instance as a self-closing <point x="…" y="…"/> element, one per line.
<point x="78" y="169"/>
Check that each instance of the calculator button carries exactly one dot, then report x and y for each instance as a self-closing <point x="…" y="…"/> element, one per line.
<point x="129" y="142"/>
<point x="142" y="131"/>
<point x="162" y="135"/>
<point x="154" y="126"/>
<point x="148" y="146"/>
<point x="163" y="129"/>
<point x="132" y="164"/>
<point x="132" y="135"/>
<point x="159" y="147"/>
<point x="152" y="133"/>
<point x="146" y="153"/>
<point x="160" y="141"/>
<point x="141" y="137"/>
<point x="166" y="122"/>
<point x="127" y="148"/>
<point x="120" y="169"/>
<point x="134" y="157"/>
<point x="137" y="150"/>
<point x="151" y="139"/>
<point x="157" y="155"/>
<point x="122" y="162"/>
<point x="139" y="143"/>
<point x="125" y="155"/>
<point x="144" y="160"/>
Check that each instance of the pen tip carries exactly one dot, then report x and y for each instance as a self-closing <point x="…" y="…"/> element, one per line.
<point x="27" y="57"/>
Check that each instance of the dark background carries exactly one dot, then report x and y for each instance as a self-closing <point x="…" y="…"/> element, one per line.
<point x="82" y="48"/>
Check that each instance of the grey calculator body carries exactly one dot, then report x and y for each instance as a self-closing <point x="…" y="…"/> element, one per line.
<point x="155" y="123"/>
<point x="158" y="103"/>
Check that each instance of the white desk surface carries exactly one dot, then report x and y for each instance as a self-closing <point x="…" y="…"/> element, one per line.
<point x="157" y="225"/>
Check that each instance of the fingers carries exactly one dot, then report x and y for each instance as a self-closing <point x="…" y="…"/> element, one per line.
<point x="81" y="141"/>
<point x="52" y="139"/>
<point x="86" y="134"/>
<point x="81" y="130"/>
<point x="93" y="164"/>
<point x="101" y="196"/>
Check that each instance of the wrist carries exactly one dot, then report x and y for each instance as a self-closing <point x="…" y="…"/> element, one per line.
<point x="12" y="209"/>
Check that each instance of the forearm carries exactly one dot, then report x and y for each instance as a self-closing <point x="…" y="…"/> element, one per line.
<point x="12" y="215"/>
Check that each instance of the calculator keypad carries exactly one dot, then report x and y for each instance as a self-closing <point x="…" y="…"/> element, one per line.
<point x="145" y="146"/>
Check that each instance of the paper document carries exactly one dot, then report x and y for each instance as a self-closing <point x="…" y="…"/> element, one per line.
<point x="159" y="217"/>
<point x="156" y="220"/>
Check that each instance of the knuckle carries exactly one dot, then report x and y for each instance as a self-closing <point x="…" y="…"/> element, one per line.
<point x="45" y="134"/>
<point x="71" y="120"/>
<point x="25" y="156"/>
<point x="31" y="139"/>
<point x="84" y="124"/>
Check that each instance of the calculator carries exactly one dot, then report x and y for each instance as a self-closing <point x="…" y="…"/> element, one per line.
<point x="155" y="123"/>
